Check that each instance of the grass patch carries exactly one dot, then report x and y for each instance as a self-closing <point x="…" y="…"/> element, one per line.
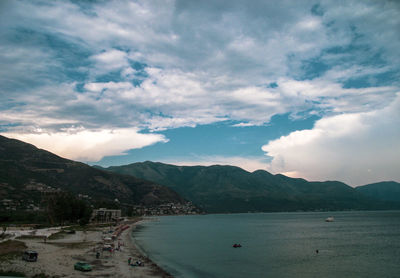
<point x="78" y="228"/>
<point x="4" y="236"/>
<point x="12" y="273"/>
<point x="11" y="249"/>
<point x="89" y="227"/>
<point x="72" y="245"/>
<point x="42" y="275"/>
<point x="58" y="235"/>
<point x="30" y="237"/>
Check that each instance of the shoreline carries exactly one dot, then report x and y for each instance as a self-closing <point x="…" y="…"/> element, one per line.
<point x="58" y="256"/>
<point x="156" y="270"/>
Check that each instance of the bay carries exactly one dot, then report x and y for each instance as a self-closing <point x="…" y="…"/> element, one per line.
<point x="356" y="244"/>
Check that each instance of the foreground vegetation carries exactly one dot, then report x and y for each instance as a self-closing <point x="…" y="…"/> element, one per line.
<point x="11" y="248"/>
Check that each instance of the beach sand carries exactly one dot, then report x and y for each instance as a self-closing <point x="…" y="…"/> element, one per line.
<point x="57" y="257"/>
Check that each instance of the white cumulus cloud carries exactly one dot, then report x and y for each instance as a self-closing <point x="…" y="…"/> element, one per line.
<point x="356" y="148"/>
<point x="89" y="145"/>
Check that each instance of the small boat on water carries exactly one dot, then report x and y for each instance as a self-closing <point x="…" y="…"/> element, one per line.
<point x="236" y="245"/>
<point x="330" y="219"/>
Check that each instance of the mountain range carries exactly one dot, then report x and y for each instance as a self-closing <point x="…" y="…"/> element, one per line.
<point x="231" y="189"/>
<point x="26" y="173"/>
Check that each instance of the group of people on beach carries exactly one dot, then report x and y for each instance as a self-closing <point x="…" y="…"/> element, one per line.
<point x="137" y="263"/>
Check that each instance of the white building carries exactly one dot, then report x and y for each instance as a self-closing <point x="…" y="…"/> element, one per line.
<point x="105" y="215"/>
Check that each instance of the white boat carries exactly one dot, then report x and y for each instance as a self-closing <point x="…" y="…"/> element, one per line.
<point x="330" y="219"/>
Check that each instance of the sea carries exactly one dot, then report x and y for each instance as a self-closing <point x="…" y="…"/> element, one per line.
<point x="299" y="244"/>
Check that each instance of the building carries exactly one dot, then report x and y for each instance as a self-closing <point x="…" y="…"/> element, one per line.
<point x="104" y="215"/>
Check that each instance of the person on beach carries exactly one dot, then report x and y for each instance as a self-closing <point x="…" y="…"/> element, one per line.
<point x="129" y="260"/>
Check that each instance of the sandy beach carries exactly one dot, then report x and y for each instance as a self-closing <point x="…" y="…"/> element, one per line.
<point x="57" y="257"/>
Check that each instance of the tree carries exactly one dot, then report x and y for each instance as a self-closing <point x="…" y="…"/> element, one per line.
<point x="65" y="208"/>
<point x="4" y="230"/>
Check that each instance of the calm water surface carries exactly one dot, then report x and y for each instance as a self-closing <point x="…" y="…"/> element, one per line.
<point x="356" y="244"/>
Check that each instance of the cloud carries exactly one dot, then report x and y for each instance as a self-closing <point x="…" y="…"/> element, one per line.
<point x="150" y="65"/>
<point x="169" y="98"/>
<point x="101" y="86"/>
<point x="372" y="23"/>
<point x="248" y="42"/>
<point x="356" y="148"/>
<point x="108" y="61"/>
<point x="323" y="94"/>
<point x="178" y="99"/>
<point x="26" y="67"/>
<point x="89" y="145"/>
<point x="205" y="62"/>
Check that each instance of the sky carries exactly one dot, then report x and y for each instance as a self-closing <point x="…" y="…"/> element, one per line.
<point x="309" y="89"/>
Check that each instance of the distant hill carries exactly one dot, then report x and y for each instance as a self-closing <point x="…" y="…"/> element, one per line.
<point x="383" y="191"/>
<point x="232" y="189"/>
<point x="26" y="173"/>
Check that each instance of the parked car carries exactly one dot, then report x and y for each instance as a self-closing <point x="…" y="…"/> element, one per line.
<point x="82" y="266"/>
<point x="108" y="247"/>
<point x="30" y="256"/>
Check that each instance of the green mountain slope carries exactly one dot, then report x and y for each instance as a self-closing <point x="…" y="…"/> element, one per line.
<point x="27" y="173"/>
<point x="383" y="191"/>
<point x="232" y="189"/>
